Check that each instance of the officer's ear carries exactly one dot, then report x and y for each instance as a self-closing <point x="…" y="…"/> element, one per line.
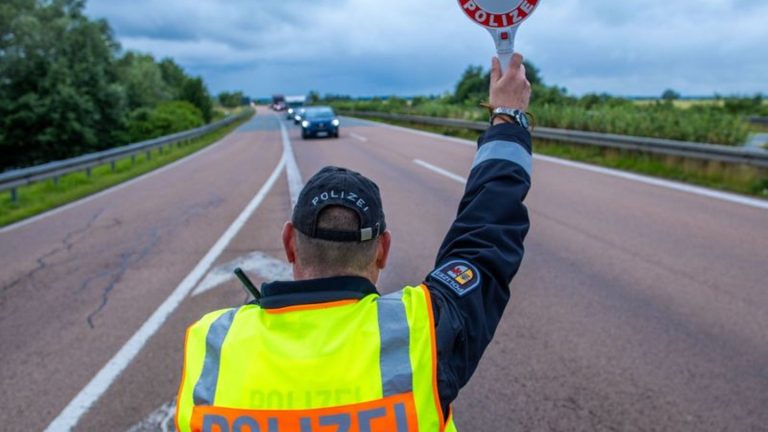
<point x="382" y="253"/>
<point x="289" y="242"/>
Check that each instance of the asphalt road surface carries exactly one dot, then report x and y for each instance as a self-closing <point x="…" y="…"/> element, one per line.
<point x="639" y="306"/>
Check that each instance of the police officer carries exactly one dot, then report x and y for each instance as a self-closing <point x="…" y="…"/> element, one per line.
<point x="327" y="352"/>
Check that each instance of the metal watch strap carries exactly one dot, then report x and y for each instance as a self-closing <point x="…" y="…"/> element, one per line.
<point x="517" y="116"/>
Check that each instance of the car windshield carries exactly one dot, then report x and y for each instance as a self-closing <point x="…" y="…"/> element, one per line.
<point x="320" y="113"/>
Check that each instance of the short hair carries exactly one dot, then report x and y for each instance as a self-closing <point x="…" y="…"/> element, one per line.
<point x="331" y="258"/>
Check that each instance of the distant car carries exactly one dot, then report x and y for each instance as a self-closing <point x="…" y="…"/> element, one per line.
<point x="298" y="115"/>
<point x="320" y="121"/>
<point x="292" y="104"/>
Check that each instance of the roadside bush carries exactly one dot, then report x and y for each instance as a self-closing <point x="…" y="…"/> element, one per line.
<point x="166" y="118"/>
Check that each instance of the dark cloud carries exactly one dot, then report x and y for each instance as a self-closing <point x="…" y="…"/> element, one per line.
<point x="371" y="47"/>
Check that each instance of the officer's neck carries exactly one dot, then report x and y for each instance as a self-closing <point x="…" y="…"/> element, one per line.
<point x="312" y="273"/>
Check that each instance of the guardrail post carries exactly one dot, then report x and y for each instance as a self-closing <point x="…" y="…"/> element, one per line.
<point x="133" y="159"/>
<point x="88" y="172"/>
<point x="149" y="155"/>
<point x="112" y="166"/>
<point x="14" y="196"/>
<point x="56" y="181"/>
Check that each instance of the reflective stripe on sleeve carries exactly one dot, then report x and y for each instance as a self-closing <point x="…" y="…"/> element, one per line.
<point x="205" y="389"/>
<point x="504" y="150"/>
<point x="395" y="361"/>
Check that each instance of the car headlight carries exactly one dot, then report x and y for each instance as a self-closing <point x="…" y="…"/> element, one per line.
<point x="305" y="124"/>
<point x="335" y="122"/>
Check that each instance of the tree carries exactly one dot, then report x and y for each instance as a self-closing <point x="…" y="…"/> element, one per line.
<point x="165" y="119"/>
<point x="532" y="73"/>
<point x="670" y="95"/>
<point x="173" y="76"/>
<point x="195" y="92"/>
<point x="231" y="100"/>
<point x="473" y="86"/>
<point x="143" y="80"/>
<point x="58" y="91"/>
<point x="313" y="97"/>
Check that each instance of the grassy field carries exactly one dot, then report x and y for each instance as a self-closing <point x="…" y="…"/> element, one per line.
<point x="613" y="116"/>
<point x="739" y="179"/>
<point x="683" y="103"/>
<point x="40" y="197"/>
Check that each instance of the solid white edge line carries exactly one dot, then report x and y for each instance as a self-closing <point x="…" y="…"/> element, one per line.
<point x="440" y="171"/>
<point x="115" y="188"/>
<point x="653" y="181"/>
<point x="291" y="168"/>
<point x="99" y="384"/>
<point x="358" y="137"/>
<point x="682" y="187"/>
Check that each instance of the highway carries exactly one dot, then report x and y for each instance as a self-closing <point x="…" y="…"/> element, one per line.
<point x="640" y="305"/>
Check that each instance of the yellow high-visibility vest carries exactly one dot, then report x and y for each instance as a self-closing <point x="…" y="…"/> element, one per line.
<point x="367" y="365"/>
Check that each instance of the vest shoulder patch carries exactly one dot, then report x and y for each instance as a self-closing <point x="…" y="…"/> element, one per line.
<point x="459" y="275"/>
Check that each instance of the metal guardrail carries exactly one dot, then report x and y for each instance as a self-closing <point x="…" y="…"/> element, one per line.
<point x="11" y="180"/>
<point x="709" y="152"/>
<point x="759" y="120"/>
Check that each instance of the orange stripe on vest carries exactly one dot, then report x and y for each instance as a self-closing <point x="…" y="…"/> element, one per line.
<point x="392" y="414"/>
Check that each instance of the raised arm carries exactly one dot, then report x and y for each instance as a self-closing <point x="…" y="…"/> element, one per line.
<point x="483" y="249"/>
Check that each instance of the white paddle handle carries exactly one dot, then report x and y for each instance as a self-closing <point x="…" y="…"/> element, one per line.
<point x="505" y="45"/>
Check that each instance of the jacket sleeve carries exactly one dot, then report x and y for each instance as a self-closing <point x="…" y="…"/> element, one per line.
<point x="480" y="255"/>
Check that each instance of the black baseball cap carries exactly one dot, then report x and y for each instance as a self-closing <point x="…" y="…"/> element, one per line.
<point x="334" y="186"/>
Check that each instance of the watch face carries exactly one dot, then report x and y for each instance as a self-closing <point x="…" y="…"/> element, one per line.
<point x="522" y="119"/>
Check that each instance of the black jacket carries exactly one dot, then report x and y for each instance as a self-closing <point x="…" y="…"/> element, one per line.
<point x="478" y="258"/>
<point x="488" y="235"/>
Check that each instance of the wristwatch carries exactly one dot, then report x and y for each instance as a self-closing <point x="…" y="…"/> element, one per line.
<point x="516" y="115"/>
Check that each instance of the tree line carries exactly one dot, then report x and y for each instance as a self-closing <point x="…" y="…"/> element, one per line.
<point x="67" y="88"/>
<point x="723" y="121"/>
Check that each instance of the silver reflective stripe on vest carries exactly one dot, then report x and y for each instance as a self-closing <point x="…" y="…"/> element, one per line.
<point x="505" y="150"/>
<point x="205" y="389"/>
<point x="396" y="374"/>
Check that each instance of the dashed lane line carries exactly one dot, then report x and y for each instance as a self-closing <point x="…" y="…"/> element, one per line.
<point x="358" y="137"/>
<point x="443" y="172"/>
<point x="667" y="184"/>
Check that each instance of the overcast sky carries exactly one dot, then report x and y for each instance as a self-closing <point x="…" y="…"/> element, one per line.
<point x="411" y="47"/>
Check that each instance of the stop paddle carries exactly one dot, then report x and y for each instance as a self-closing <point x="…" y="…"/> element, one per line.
<point x="502" y="19"/>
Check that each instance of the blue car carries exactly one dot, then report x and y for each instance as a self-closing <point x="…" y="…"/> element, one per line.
<point x="319" y="121"/>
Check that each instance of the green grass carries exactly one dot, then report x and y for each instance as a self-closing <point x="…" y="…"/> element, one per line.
<point x="43" y="196"/>
<point x="734" y="178"/>
<point x="713" y="126"/>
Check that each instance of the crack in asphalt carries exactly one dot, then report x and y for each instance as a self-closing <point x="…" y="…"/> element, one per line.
<point x="126" y="260"/>
<point x="141" y="251"/>
<point x="66" y="244"/>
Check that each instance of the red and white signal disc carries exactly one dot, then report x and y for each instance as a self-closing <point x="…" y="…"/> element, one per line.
<point x="496" y="14"/>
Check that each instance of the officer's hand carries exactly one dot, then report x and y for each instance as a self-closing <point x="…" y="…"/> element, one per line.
<point x="512" y="89"/>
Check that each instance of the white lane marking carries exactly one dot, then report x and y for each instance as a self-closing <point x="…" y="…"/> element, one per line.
<point x="291" y="169"/>
<point x="440" y="171"/>
<point x="682" y="187"/>
<point x="265" y="266"/>
<point x="160" y="419"/>
<point x="99" y="384"/>
<point x="115" y="188"/>
<point x="422" y="133"/>
<point x="358" y="137"/>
